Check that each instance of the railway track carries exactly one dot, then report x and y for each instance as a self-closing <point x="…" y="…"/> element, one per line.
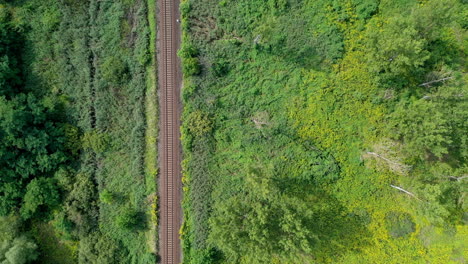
<point x="170" y="176"/>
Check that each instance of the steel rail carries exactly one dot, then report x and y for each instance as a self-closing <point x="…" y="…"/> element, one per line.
<point x="170" y="145"/>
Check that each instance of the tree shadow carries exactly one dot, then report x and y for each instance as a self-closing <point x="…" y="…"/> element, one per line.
<point x="336" y="229"/>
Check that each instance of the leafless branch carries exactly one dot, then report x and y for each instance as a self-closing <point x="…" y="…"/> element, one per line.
<point x="436" y="81"/>
<point x="395" y="165"/>
<point x="405" y="191"/>
<point x="382" y="157"/>
<point x="257" y="122"/>
<point x="257" y="39"/>
<point x="458" y="178"/>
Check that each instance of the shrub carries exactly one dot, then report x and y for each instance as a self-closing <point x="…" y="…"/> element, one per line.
<point x="19" y="251"/>
<point x="63" y="225"/>
<point x="115" y="70"/>
<point x="366" y="8"/>
<point x="130" y="219"/>
<point x="96" y="141"/>
<point x="191" y="66"/>
<point x="106" y="197"/>
<point x="198" y="123"/>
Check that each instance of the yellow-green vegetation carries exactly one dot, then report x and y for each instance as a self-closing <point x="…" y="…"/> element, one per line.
<point x="151" y="133"/>
<point x="325" y="131"/>
<point x="78" y="125"/>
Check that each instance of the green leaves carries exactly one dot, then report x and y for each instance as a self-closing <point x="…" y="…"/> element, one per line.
<point x="342" y="76"/>
<point x="434" y="124"/>
<point x="32" y="144"/>
<point x="15" y="248"/>
<point x="130" y="219"/>
<point x="259" y="224"/>
<point x="366" y="8"/>
<point x="396" y="49"/>
<point x="31" y="133"/>
<point x="190" y="64"/>
<point x="41" y="196"/>
<point x="106" y="197"/>
<point x="81" y="204"/>
<point x="423" y="127"/>
<point x="31" y="139"/>
<point x="96" y="141"/>
<point x="199" y="123"/>
<point x="115" y="71"/>
<point x="402" y="47"/>
<point x="19" y="251"/>
<point x="271" y="215"/>
<point x="306" y="39"/>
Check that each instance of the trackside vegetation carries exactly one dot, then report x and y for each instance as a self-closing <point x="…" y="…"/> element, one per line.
<point x="78" y="126"/>
<point x="325" y="131"/>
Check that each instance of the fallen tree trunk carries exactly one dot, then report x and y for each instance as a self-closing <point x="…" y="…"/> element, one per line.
<point x="405" y="191"/>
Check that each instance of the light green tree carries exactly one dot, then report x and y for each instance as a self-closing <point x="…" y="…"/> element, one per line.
<point x="262" y="224"/>
<point x="15" y="248"/>
<point x="395" y="48"/>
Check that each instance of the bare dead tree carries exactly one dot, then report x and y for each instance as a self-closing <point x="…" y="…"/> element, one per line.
<point x="257" y="122"/>
<point x="426" y="84"/>
<point x="457" y="178"/>
<point x="380" y="156"/>
<point x="405" y="191"/>
<point x="261" y="119"/>
<point x="395" y="166"/>
<point x="257" y="39"/>
<point x="428" y="97"/>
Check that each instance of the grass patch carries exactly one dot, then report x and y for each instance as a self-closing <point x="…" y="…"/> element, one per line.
<point x="152" y="131"/>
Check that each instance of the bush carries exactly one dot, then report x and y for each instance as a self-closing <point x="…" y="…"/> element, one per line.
<point x="19" y="251"/>
<point x="191" y="66"/>
<point x="130" y="219"/>
<point x="198" y="123"/>
<point x="96" y="141"/>
<point x="106" y="197"/>
<point x="366" y="8"/>
<point x="80" y="205"/>
<point x="220" y="68"/>
<point x="99" y="248"/>
<point x="63" y="225"/>
<point x="115" y="71"/>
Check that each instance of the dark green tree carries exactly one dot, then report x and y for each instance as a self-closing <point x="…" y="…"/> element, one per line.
<point x="41" y="196"/>
<point x="32" y="134"/>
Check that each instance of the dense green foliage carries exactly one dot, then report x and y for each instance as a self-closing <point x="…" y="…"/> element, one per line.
<point x="74" y="76"/>
<point x="305" y="123"/>
<point x="15" y="246"/>
<point x="32" y="134"/>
